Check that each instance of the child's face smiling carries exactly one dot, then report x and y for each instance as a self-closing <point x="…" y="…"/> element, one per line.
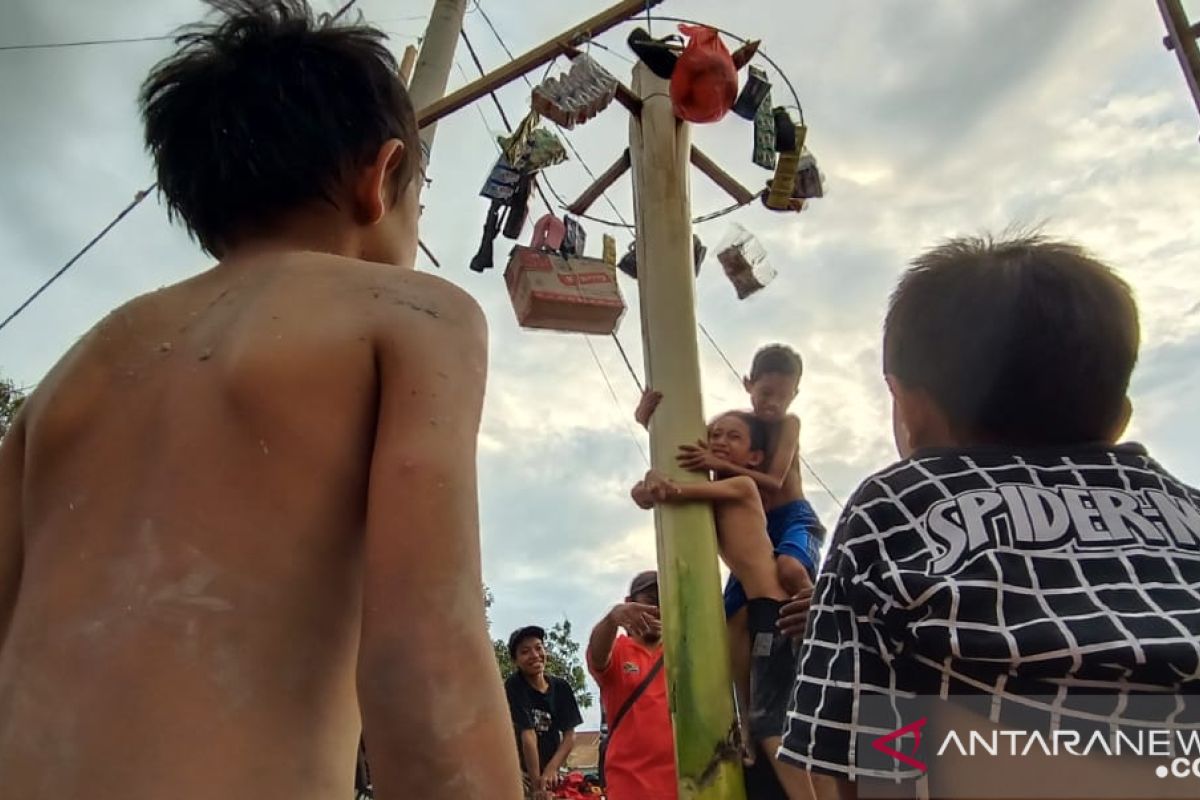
<point x="729" y="439"/>
<point x="772" y="394"/>
<point x="531" y="657"/>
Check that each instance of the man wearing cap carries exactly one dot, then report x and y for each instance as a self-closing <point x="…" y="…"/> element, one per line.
<point x="544" y="711"/>
<point x="639" y="761"/>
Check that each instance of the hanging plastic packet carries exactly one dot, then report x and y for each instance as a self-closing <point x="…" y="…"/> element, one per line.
<point x="809" y="181"/>
<point x="574" y="238"/>
<point x="502" y="182"/>
<point x="513" y="146"/>
<point x="745" y="262"/>
<point x="610" y="250"/>
<point x="756" y="90"/>
<point x="548" y="233"/>
<point x="628" y="263"/>
<point x="764" y="134"/>
<point x="531" y="148"/>
<point x="704" y="84"/>
<point x="781" y="187"/>
<point x="573" y="98"/>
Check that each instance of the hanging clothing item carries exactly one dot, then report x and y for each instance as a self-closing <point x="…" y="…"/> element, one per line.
<point x="654" y="53"/>
<point x="484" y="259"/>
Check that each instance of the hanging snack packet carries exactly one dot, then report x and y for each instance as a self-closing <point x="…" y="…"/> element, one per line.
<point x="580" y="94"/>
<point x="609" y="250"/>
<point x="745" y="262"/>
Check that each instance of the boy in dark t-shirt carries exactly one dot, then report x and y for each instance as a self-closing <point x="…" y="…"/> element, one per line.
<point x="544" y="711"/>
<point x="1017" y="561"/>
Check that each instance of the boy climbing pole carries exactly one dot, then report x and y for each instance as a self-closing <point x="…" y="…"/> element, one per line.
<point x="238" y="519"/>
<point x="740" y="438"/>
<point x="793" y="527"/>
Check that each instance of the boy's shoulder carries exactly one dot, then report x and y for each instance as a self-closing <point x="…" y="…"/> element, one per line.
<point x="396" y="291"/>
<point x="515" y="682"/>
<point x="964" y="469"/>
<point x="971" y="493"/>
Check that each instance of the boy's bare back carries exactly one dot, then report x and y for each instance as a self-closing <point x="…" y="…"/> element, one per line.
<point x="231" y="496"/>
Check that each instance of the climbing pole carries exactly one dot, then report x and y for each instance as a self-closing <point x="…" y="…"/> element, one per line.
<point x="707" y="754"/>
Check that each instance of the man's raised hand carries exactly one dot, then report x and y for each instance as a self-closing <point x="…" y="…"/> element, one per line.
<point x="636" y="618"/>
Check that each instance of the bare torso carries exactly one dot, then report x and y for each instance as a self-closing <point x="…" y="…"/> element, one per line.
<point x="195" y="481"/>
<point x="793" y="486"/>
<point x="742" y="536"/>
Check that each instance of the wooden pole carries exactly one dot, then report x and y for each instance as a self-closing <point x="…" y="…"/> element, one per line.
<point x="407" y="63"/>
<point x="694" y="634"/>
<point x="432" y="71"/>
<point x="1186" y="49"/>
<point x="437" y="107"/>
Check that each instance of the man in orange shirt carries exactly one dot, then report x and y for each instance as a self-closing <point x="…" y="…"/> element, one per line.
<point x="639" y="762"/>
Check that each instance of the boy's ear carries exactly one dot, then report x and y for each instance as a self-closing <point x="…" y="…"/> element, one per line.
<point x="917" y="421"/>
<point x="747" y="383"/>
<point x="373" y="185"/>
<point x="1122" y="420"/>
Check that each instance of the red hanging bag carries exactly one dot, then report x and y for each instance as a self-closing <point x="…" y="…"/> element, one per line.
<point x="704" y="85"/>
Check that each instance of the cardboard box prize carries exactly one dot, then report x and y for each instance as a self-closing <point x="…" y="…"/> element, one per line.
<point x="563" y="294"/>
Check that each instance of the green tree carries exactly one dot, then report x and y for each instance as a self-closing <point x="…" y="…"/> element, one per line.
<point x="10" y="401"/>
<point x="562" y="656"/>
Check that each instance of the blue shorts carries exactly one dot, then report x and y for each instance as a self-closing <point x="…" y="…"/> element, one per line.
<point x="794" y="530"/>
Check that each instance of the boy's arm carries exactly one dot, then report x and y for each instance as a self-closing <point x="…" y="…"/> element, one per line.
<point x="698" y="457"/>
<point x="421" y="606"/>
<point x="568" y="717"/>
<point x="560" y="756"/>
<point x="664" y="490"/>
<point x="12" y="472"/>
<point x="530" y="757"/>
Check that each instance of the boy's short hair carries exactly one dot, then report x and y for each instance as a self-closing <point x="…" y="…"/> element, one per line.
<point x="779" y="359"/>
<point x="1024" y="341"/>
<point x="757" y="428"/>
<point x="266" y="109"/>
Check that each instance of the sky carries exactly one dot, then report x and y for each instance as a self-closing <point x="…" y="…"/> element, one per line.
<point x="929" y="118"/>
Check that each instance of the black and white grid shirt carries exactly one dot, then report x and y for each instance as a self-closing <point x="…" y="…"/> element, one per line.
<point x="1038" y="578"/>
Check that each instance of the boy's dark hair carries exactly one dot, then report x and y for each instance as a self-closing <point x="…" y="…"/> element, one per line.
<point x="779" y="359"/>
<point x="267" y="109"/>
<point x="1020" y="342"/>
<point x="758" y="429"/>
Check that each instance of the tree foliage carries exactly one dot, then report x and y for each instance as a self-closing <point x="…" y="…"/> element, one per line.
<point x="10" y="401"/>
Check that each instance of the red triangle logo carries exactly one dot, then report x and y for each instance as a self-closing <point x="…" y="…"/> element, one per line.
<point x="881" y="744"/>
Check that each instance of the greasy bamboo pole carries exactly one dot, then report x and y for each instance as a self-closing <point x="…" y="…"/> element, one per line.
<point x="697" y="651"/>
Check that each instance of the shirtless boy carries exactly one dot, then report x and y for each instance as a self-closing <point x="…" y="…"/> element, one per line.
<point x="741" y="525"/>
<point x="243" y="508"/>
